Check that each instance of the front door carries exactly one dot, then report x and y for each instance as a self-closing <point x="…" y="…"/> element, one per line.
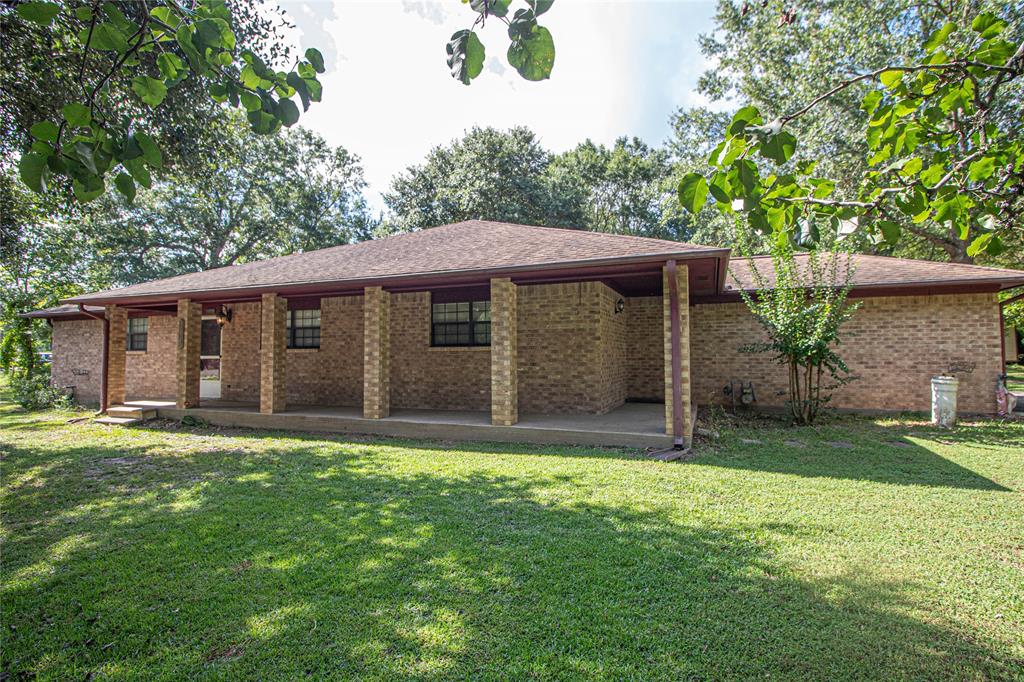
<point x="209" y="359"/>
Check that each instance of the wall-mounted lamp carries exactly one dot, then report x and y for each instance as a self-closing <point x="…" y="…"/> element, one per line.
<point x="223" y="315"/>
<point x="620" y="305"/>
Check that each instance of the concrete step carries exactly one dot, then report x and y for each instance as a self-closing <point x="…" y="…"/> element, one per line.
<point x="117" y="421"/>
<point x="132" y="412"/>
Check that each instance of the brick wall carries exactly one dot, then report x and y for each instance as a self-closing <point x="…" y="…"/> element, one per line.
<point x="894" y="344"/>
<point x="433" y="378"/>
<point x="332" y="374"/>
<point x="149" y="374"/>
<point x="240" y="354"/>
<point x="645" y="358"/>
<point x="77" y="347"/>
<point x="572" y="348"/>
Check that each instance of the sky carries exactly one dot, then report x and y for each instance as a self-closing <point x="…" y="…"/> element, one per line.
<point x="621" y="68"/>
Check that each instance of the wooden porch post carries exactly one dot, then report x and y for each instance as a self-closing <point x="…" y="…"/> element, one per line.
<point x="376" y="353"/>
<point x="676" y="309"/>
<point x="190" y="317"/>
<point x="273" y="362"/>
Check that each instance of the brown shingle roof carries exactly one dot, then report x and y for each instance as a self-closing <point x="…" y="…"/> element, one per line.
<point x="883" y="271"/>
<point x="66" y="310"/>
<point x="474" y="245"/>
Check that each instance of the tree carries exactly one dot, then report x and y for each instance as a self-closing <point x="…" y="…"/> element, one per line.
<point x="940" y="148"/>
<point x="259" y="196"/>
<point x="531" y="49"/>
<point x="488" y="174"/>
<point x="803" y="44"/>
<point x="624" y="189"/>
<point x="41" y="261"/>
<point x="111" y="66"/>
<point x="801" y="306"/>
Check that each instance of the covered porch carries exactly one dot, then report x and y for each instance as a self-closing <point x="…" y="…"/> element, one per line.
<point x="635" y="425"/>
<point x="555" y="367"/>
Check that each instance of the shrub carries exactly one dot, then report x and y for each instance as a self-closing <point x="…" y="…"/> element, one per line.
<point x="34" y="392"/>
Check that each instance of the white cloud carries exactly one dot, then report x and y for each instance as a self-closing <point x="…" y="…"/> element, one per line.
<point x="620" y="69"/>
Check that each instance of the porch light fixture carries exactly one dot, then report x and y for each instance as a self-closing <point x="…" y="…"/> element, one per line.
<point x="223" y="315"/>
<point x="620" y="305"/>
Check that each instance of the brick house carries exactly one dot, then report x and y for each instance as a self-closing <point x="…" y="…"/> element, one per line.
<point x="450" y="324"/>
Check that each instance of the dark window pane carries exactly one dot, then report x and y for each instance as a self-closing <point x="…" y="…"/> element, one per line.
<point x="210" y="339"/>
<point x="138" y="328"/>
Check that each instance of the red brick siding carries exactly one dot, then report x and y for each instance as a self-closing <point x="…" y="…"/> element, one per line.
<point x="566" y="363"/>
<point x="77" y="347"/>
<point x="645" y="357"/>
<point x="894" y="344"/>
<point x="332" y="374"/>
<point x="433" y="378"/>
<point x="150" y="374"/>
<point x="240" y="354"/>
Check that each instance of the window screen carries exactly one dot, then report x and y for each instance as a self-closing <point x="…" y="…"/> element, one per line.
<point x="138" y="333"/>
<point x="303" y="328"/>
<point x="466" y="323"/>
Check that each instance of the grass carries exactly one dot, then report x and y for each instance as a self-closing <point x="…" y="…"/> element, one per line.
<point x="1015" y="378"/>
<point x="856" y="549"/>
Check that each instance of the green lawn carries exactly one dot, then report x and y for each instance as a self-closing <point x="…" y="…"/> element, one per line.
<point x="1015" y="378"/>
<point x="861" y="549"/>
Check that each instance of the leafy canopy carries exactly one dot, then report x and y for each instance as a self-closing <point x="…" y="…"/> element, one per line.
<point x="96" y="137"/>
<point x="531" y="49"/>
<point x="938" y="150"/>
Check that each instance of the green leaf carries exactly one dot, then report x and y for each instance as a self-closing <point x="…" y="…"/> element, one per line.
<point x="150" y="150"/>
<point x="105" y="37"/>
<point x="938" y="36"/>
<point x="86" y="191"/>
<point x="871" y="101"/>
<point x="32" y="169"/>
<point x="534" y="55"/>
<point x="315" y="59"/>
<point x="988" y="25"/>
<point x="139" y="171"/>
<point x="77" y="115"/>
<point x="779" y="148"/>
<point x="126" y="186"/>
<point x="995" y="51"/>
<point x="539" y="7"/>
<point x="932" y="174"/>
<point x="287" y="112"/>
<point x="465" y="56"/>
<point x="981" y="169"/>
<point x="170" y="65"/>
<point x="747" y="173"/>
<point x="980" y="242"/>
<point x="693" y="192"/>
<point x="44" y="130"/>
<point x="891" y="79"/>
<point x="890" y="231"/>
<point x="748" y="115"/>
<point x="150" y="90"/>
<point x="719" y="187"/>
<point x="42" y="13"/>
<point x="911" y="167"/>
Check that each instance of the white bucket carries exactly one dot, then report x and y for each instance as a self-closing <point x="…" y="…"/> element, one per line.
<point x="944" y="401"/>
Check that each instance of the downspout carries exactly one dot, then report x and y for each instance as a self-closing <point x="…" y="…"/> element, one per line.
<point x="105" y="356"/>
<point x="677" y="361"/>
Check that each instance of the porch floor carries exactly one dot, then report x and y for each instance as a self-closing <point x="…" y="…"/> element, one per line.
<point x="629" y="425"/>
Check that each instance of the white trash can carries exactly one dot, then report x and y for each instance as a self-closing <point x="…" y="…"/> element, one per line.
<point x="944" y="401"/>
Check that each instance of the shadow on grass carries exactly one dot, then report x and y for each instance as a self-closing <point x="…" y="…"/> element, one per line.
<point x="856" y="449"/>
<point x="313" y="559"/>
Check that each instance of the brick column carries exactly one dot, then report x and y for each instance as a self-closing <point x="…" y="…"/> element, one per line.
<point x="273" y="341"/>
<point x="376" y="353"/>
<point x="504" y="361"/>
<point x="682" y="282"/>
<point x="118" y="321"/>
<point x="190" y="316"/>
